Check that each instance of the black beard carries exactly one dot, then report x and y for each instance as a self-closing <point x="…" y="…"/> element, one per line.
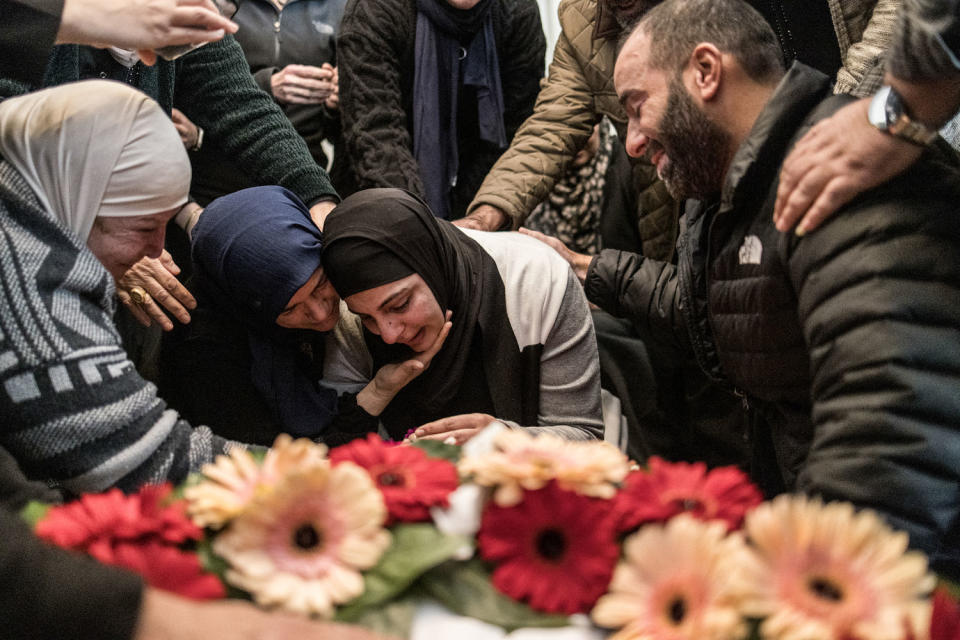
<point x="696" y="147"/>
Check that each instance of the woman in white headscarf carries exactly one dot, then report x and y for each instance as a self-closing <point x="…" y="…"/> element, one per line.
<point x="90" y="174"/>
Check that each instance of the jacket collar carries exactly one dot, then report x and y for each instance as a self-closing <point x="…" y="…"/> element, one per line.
<point x="605" y="24"/>
<point x="758" y="159"/>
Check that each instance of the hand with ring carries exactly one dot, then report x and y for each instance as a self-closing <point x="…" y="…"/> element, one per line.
<point x="150" y="286"/>
<point x="139" y="295"/>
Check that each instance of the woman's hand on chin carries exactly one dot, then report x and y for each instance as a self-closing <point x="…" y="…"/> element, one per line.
<point x="455" y="429"/>
<point x="391" y="378"/>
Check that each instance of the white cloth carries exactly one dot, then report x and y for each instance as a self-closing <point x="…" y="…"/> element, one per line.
<point x="95" y="148"/>
<point x="126" y="57"/>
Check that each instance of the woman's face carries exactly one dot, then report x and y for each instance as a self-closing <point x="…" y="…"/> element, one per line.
<point x="315" y="305"/>
<point x="403" y="311"/>
<point x="119" y="243"/>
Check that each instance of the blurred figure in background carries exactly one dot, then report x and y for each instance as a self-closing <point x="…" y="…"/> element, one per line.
<point x="433" y="91"/>
<point x="290" y="46"/>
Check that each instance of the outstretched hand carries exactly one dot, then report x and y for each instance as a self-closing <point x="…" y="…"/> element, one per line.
<point x="391" y="378"/>
<point x="839" y="158"/>
<point x="579" y="262"/>
<point x="454" y="429"/>
<point x="157" y="277"/>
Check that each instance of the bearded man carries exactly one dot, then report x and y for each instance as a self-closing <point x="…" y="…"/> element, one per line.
<point x="843" y="344"/>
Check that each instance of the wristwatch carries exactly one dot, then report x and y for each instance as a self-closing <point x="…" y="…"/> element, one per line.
<point x="888" y="113"/>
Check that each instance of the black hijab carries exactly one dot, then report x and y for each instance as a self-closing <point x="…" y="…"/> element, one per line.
<point x="379" y="236"/>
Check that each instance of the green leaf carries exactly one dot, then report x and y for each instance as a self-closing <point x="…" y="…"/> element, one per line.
<point x="952" y="588"/>
<point x="436" y="449"/>
<point x="34" y="512"/>
<point x="465" y="588"/>
<point x="392" y="619"/>
<point x="216" y="565"/>
<point x="415" y="548"/>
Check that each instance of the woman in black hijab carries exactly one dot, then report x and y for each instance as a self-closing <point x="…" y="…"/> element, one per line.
<point x="522" y="347"/>
<point x="251" y="363"/>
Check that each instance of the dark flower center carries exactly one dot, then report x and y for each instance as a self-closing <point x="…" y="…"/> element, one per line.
<point x="826" y="589"/>
<point x="677" y="610"/>
<point x="688" y="504"/>
<point x="551" y="544"/>
<point x="307" y="537"/>
<point x="391" y="479"/>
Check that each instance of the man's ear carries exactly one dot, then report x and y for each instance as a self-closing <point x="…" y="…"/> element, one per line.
<point x="705" y="71"/>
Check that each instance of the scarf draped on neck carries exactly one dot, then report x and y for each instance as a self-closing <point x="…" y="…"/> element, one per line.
<point x="453" y="47"/>
<point x="252" y="251"/>
<point x="475" y="369"/>
<point x="95" y="148"/>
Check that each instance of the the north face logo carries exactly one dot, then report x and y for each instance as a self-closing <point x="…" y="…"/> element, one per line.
<point x="751" y="250"/>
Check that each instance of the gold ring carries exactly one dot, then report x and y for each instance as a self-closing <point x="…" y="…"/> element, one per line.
<point x="139" y="296"/>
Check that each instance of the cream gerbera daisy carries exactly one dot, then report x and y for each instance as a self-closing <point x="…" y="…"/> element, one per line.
<point x="231" y="481"/>
<point x="824" y="571"/>
<point x="301" y="546"/>
<point x="673" y="584"/>
<point x="522" y="461"/>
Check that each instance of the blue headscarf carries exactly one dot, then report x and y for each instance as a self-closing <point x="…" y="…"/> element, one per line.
<point x="252" y="250"/>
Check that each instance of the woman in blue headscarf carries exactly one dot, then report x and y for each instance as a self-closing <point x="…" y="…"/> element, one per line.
<point x="251" y="362"/>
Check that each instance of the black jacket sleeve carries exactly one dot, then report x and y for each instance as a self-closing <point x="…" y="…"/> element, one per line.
<point x="28" y="29"/>
<point x="882" y="326"/>
<point x="643" y="290"/>
<point x="51" y="594"/>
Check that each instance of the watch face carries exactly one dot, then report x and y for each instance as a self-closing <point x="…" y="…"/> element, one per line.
<point x="893" y="108"/>
<point x="878" y="112"/>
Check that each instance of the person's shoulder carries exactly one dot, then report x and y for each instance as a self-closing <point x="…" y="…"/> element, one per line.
<point x="516" y="253"/>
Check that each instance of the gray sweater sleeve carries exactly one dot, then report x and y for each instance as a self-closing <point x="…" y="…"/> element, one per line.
<point x="570" y="372"/>
<point x="926" y="45"/>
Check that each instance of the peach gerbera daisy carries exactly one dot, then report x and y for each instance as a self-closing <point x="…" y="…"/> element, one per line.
<point x="301" y="545"/>
<point x="826" y="571"/>
<point x="521" y="461"/>
<point x="673" y="584"/>
<point x="231" y="481"/>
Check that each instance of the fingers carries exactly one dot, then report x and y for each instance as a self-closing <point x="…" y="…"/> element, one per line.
<point x="147" y="57"/>
<point x="201" y="20"/>
<point x="837" y="193"/>
<point x="165" y="291"/>
<point x="456" y="437"/>
<point x="803" y="190"/>
<point x="465" y="421"/>
<point x="167" y="261"/>
<point x="134" y="308"/>
<point x="427" y="356"/>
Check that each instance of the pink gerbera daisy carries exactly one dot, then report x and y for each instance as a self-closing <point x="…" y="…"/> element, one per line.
<point x="672" y="584"/>
<point x="826" y="571"/>
<point x="411" y="482"/>
<point x="670" y="488"/>
<point x="555" y="549"/>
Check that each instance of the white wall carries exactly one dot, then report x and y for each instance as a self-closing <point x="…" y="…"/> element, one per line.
<point x="551" y="26"/>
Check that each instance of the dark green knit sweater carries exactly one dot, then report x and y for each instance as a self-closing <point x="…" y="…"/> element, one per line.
<point x="213" y="86"/>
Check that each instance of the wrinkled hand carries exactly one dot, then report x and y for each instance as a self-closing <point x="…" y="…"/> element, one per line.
<point x="391" y="378"/>
<point x="836" y="160"/>
<point x="141" y="25"/>
<point x="486" y="217"/>
<point x="333" y="100"/>
<point x="185" y="127"/>
<point x="455" y="429"/>
<point x="579" y="262"/>
<point x="158" y="278"/>
<point x="302" y="84"/>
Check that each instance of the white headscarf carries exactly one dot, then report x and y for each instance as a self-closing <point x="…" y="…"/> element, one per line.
<point x="95" y="148"/>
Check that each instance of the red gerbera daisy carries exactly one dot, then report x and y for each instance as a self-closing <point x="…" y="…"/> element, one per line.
<point x="554" y="550"/>
<point x="138" y="532"/>
<point x="945" y="623"/>
<point x="667" y="489"/>
<point x="411" y="482"/>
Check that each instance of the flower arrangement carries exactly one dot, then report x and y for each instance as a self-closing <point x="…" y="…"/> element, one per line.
<point x="517" y="531"/>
